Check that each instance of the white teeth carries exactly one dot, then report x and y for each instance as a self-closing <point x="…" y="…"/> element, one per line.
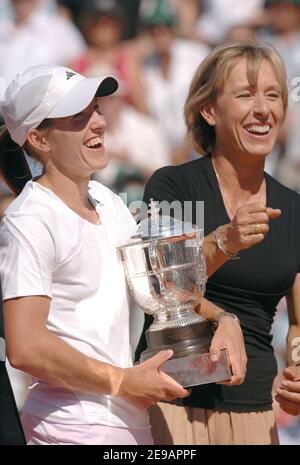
<point x="260" y="129"/>
<point x="94" y="142"/>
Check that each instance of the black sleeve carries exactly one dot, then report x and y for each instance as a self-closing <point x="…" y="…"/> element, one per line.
<point x="165" y="184"/>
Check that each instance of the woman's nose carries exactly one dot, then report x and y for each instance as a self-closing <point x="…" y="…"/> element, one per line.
<point x="261" y="107"/>
<point x="98" y="121"/>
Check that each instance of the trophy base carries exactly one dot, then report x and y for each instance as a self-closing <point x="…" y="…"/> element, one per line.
<point x="183" y="340"/>
<point x="197" y="369"/>
<point x="190" y="364"/>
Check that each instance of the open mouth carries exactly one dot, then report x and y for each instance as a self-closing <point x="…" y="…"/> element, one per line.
<point x="94" y="144"/>
<point x="258" y="130"/>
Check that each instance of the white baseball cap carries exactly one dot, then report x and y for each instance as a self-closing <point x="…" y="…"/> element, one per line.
<point x="43" y="91"/>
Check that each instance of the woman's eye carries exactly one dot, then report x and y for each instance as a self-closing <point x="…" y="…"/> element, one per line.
<point x="273" y="95"/>
<point x="97" y="109"/>
<point x="245" y="94"/>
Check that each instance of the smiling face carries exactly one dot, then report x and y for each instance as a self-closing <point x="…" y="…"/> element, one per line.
<point x="75" y="145"/>
<point x="247" y="118"/>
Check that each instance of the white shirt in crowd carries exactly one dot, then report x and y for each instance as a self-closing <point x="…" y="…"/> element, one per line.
<point x="47" y="249"/>
<point x="44" y="39"/>
<point x="141" y="138"/>
<point x="220" y="15"/>
<point x="166" y="97"/>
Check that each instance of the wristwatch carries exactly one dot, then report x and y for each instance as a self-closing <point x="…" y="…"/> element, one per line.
<point x="223" y="313"/>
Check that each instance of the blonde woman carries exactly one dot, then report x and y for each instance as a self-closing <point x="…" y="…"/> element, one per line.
<point x="235" y="107"/>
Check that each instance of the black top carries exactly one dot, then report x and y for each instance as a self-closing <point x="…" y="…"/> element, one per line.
<point x="250" y="287"/>
<point x="1" y="316"/>
<point x="11" y="432"/>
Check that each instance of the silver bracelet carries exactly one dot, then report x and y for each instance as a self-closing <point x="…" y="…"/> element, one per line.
<point x="230" y="255"/>
<point x="223" y="314"/>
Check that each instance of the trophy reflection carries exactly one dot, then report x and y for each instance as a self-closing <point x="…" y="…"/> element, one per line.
<point x="166" y="274"/>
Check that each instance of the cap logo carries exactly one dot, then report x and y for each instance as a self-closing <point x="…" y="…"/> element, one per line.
<point x="69" y="74"/>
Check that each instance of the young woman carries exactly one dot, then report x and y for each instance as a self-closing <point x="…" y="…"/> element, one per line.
<point x="64" y="292"/>
<point x="235" y="108"/>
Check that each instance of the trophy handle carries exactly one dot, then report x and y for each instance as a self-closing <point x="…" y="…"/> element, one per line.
<point x="202" y="264"/>
<point x="155" y="265"/>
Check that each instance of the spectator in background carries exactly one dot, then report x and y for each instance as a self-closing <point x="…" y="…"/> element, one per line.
<point x="33" y="37"/>
<point x="103" y="24"/>
<point x="168" y="68"/>
<point x="134" y="142"/>
<point x="6" y="8"/>
<point x="187" y="12"/>
<point x="220" y="15"/>
<point x="73" y="9"/>
<point x="283" y="32"/>
<point x="240" y="32"/>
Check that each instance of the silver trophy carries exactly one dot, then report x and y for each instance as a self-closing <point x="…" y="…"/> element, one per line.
<point x="166" y="274"/>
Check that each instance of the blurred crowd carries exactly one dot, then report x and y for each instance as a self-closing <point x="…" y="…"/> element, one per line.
<point x="153" y="48"/>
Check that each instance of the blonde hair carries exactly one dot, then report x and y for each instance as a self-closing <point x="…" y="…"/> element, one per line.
<point x="211" y="76"/>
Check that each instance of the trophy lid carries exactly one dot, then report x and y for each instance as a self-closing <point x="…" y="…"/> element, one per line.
<point x="161" y="226"/>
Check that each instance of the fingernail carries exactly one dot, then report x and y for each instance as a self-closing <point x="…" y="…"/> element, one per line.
<point x="284" y="383"/>
<point x="214" y="358"/>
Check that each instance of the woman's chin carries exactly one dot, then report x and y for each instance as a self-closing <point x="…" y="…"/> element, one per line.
<point x="101" y="163"/>
<point x="259" y="150"/>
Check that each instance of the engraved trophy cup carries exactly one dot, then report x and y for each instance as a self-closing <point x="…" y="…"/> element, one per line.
<point x="166" y="274"/>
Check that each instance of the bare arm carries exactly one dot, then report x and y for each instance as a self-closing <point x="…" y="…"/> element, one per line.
<point x="228" y="335"/>
<point x="293" y="337"/>
<point x="31" y="347"/>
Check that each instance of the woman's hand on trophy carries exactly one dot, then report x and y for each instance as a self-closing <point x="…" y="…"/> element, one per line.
<point x="145" y="384"/>
<point x="228" y="335"/>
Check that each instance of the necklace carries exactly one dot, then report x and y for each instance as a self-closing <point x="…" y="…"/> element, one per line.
<point x="232" y="211"/>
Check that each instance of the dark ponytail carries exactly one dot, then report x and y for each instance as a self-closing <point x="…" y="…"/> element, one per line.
<point x="13" y="165"/>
